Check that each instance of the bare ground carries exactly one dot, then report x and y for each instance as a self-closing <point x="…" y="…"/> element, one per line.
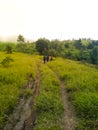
<point x="68" y="120"/>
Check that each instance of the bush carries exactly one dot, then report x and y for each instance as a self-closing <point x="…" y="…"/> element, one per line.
<point x="6" y="61"/>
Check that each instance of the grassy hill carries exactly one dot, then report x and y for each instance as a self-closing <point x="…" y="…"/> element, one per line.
<point x="80" y="81"/>
<point x="13" y="79"/>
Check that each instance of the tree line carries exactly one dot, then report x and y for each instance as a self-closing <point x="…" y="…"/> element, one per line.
<point x="85" y="50"/>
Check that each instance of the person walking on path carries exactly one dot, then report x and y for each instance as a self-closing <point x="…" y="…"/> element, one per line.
<point x="44" y="59"/>
<point x="47" y="58"/>
<point x="51" y="58"/>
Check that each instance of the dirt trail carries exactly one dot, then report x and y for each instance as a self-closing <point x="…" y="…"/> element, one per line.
<point x="24" y="115"/>
<point x="68" y="119"/>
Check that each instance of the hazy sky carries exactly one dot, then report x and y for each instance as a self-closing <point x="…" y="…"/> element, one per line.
<point x="61" y="19"/>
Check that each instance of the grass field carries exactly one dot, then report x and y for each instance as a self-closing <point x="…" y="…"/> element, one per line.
<point x="12" y="80"/>
<point x="81" y="83"/>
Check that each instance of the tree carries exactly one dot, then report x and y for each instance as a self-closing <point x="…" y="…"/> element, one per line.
<point x="57" y="47"/>
<point x="53" y="52"/>
<point x="78" y="44"/>
<point x="84" y="55"/>
<point x="94" y="55"/>
<point x="42" y="46"/>
<point x="20" y="39"/>
<point x="68" y="44"/>
<point x="8" y="49"/>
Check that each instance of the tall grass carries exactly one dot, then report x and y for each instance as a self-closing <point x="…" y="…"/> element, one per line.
<point x="81" y="81"/>
<point x="48" y="103"/>
<point x="12" y="80"/>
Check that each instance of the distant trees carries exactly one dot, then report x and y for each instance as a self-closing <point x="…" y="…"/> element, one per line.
<point x="20" y="45"/>
<point x="85" y="50"/>
<point x="25" y="46"/>
<point x="84" y="55"/>
<point x="57" y="48"/>
<point x="94" y="55"/>
<point x="20" y="39"/>
<point x="42" y="46"/>
<point x="46" y="47"/>
<point x="8" y="49"/>
<point x="78" y="44"/>
<point x="29" y="48"/>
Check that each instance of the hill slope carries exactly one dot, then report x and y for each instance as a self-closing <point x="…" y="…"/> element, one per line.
<point x="82" y="87"/>
<point x="64" y="85"/>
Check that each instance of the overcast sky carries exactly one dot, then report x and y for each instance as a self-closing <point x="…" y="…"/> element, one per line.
<point x="52" y="19"/>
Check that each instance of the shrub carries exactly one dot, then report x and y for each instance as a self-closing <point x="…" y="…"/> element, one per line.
<point x="6" y="61"/>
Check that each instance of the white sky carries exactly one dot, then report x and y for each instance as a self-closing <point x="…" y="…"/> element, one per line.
<point x="61" y="19"/>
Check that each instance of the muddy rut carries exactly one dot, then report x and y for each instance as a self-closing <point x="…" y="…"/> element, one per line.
<point x="68" y="119"/>
<point x="24" y="115"/>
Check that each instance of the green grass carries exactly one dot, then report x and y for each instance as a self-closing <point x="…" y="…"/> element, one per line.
<point x="48" y="103"/>
<point x="12" y="80"/>
<point x="82" y="84"/>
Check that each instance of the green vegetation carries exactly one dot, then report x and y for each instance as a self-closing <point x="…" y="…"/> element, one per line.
<point x="9" y="48"/>
<point x="12" y="80"/>
<point x="48" y="103"/>
<point x="85" y="50"/>
<point x="20" y="39"/>
<point x="82" y="85"/>
<point x="81" y="80"/>
<point x="7" y="61"/>
<point x="42" y="46"/>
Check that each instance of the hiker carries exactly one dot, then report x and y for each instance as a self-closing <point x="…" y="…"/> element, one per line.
<point x="51" y="58"/>
<point x="47" y="58"/>
<point x="44" y="59"/>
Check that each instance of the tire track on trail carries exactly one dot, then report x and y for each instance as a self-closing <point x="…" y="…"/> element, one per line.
<point x="24" y="115"/>
<point x="68" y="119"/>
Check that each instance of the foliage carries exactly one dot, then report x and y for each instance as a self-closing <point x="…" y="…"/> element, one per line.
<point x="29" y="48"/>
<point x="42" y="46"/>
<point x="26" y="48"/>
<point x="20" y="39"/>
<point x="84" y="50"/>
<point x="6" y="61"/>
<point x="8" y="49"/>
<point x="84" y="55"/>
<point x="94" y="55"/>
<point x="7" y="46"/>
